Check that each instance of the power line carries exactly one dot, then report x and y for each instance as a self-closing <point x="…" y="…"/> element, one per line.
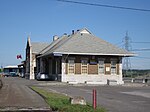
<point x="141" y="42"/>
<point x="104" y="5"/>
<point x="141" y="49"/>
<point x="142" y="57"/>
<point x="119" y="43"/>
<point x="134" y="42"/>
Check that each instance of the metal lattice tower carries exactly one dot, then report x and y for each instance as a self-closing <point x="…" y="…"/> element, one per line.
<point x="127" y="46"/>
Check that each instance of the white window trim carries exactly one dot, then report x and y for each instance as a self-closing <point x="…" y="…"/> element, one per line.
<point x="115" y="60"/>
<point x="73" y="65"/>
<point x="84" y="65"/>
<point x="103" y="67"/>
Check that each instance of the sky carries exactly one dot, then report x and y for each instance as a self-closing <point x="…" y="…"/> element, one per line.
<point x="42" y="19"/>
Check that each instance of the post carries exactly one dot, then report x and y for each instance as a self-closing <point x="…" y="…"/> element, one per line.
<point x="94" y="99"/>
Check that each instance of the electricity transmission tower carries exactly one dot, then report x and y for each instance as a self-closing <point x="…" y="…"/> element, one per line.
<point x="127" y="46"/>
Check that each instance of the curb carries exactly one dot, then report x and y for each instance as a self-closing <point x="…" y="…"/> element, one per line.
<point x="48" y="109"/>
<point x="12" y="109"/>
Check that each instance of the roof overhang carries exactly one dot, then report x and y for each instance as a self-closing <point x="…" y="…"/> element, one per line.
<point x="94" y="54"/>
<point x="102" y="54"/>
<point x="11" y="66"/>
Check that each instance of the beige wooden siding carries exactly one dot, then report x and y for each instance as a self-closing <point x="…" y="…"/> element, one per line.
<point x="66" y="68"/>
<point x="107" y="66"/>
<point x="117" y="69"/>
<point x="78" y="68"/>
<point x="93" y="69"/>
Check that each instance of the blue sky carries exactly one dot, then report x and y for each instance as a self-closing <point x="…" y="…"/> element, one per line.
<point x="44" y="18"/>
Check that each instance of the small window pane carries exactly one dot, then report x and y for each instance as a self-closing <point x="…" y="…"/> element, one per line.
<point x="84" y="66"/>
<point x="71" y="67"/>
<point x="113" y="67"/>
<point x="101" y="67"/>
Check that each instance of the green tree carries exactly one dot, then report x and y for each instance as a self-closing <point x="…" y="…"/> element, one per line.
<point x="1" y="70"/>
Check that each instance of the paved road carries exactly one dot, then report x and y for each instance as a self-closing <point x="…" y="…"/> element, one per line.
<point x="16" y="95"/>
<point x="113" y="98"/>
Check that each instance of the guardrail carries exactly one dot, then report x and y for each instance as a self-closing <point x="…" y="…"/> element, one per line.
<point x="136" y="80"/>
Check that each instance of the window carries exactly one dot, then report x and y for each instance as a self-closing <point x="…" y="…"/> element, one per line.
<point x="101" y="67"/>
<point x="113" y="67"/>
<point x="84" y="66"/>
<point x="71" y="66"/>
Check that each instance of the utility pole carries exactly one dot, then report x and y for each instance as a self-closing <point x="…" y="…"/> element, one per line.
<point x="127" y="46"/>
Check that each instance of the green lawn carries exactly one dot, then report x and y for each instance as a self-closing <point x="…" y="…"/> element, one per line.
<point x="59" y="102"/>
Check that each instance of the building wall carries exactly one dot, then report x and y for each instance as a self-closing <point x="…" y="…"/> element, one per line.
<point x="30" y="63"/>
<point x="32" y="66"/>
<point x="27" y="72"/>
<point x="50" y="65"/>
<point x="93" y="76"/>
<point x="93" y="69"/>
<point x="92" y="79"/>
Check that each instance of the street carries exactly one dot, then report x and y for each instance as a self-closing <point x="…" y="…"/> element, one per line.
<point x="15" y="95"/>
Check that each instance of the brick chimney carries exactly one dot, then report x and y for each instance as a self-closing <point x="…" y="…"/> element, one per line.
<point x="55" y="37"/>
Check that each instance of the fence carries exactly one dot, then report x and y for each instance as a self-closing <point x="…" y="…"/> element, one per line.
<point x="136" y="80"/>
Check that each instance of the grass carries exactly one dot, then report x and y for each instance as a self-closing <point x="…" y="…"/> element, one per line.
<point x="59" y="102"/>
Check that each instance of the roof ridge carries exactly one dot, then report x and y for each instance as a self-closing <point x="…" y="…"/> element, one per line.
<point x="96" y="45"/>
<point x="40" y="42"/>
<point x="57" y="44"/>
<point x="80" y="30"/>
<point x="83" y="42"/>
<point x="67" y="39"/>
<point x="46" y="47"/>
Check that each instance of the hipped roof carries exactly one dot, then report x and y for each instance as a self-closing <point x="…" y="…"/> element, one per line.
<point x="83" y="42"/>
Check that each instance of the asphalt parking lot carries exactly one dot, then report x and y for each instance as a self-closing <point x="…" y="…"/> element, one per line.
<point x="16" y="94"/>
<point x="113" y="98"/>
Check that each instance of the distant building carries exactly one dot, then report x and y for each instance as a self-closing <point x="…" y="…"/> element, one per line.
<point x="14" y="68"/>
<point x="79" y="58"/>
<point x="8" y="69"/>
<point x="22" y="69"/>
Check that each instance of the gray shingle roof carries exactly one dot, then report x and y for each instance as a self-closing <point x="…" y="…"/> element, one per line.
<point x="53" y="45"/>
<point x="38" y="46"/>
<point x="86" y="43"/>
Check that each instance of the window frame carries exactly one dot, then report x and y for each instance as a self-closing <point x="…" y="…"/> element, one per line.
<point x="69" y="65"/>
<point x="84" y="66"/>
<point x="113" y="66"/>
<point x="102" y="66"/>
